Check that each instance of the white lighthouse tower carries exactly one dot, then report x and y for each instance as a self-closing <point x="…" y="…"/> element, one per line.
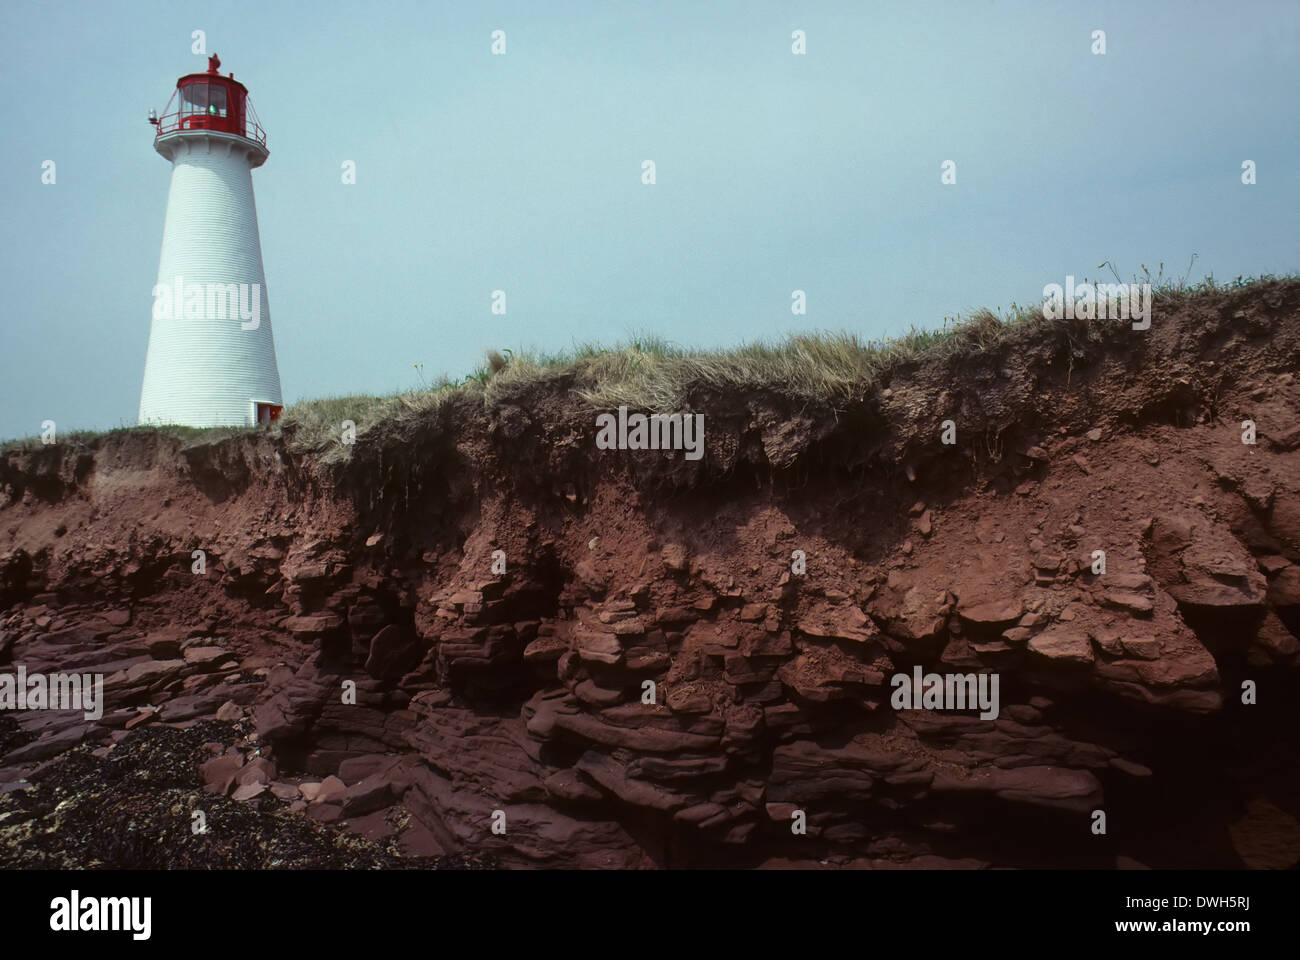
<point x="211" y="359"/>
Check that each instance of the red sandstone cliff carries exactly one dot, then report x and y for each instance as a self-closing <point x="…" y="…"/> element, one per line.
<point x="523" y="692"/>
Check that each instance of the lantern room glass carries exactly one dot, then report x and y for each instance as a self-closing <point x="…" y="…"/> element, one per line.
<point x="194" y="98"/>
<point x="204" y="98"/>
<point x="217" y="99"/>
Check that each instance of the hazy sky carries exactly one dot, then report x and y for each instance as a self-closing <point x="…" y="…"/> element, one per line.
<point x="522" y="172"/>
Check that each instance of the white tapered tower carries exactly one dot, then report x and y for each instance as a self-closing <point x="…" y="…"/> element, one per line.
<point x="211" y="359"/>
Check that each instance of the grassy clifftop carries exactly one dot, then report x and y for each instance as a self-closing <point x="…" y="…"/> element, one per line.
<point x="824" y="369"/>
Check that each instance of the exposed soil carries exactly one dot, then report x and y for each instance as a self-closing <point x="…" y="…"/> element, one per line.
<point x="502" y="717"/>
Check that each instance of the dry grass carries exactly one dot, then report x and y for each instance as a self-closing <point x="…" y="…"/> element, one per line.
<point x="648" y="373"/>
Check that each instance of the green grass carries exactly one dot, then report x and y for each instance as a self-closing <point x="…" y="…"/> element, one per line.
<point x="649" y="373"/>
<point x="86" y="438"/>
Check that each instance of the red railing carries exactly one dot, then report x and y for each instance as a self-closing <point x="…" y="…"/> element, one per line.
<point x="174" y="122"/>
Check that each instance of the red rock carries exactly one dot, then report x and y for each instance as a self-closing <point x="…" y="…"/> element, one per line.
<point x="392" y="653"/>
<point x="325" y="812"/>
<point x="332" y="790"/>
<point x="1285" y="521"/>
<point x="780" y="812"/>
<point x="593" y="576"/>
<point x="165" y="644"/>
<point x="51" y="744"/>
<point x="1287" y="438"/>
<point x="151" y="672"/>
<point x="675" y="558"/>
<point x="205" y="658"/>
<point x="545" y="649"/>
<point x="824" y="673"/>
<point x="373" y="826"/>
<point x="219" y="774"/>
<point x="1075" y="790"/>
<point x="143" y="717"/>
<point x="1062" y="644"/>
<point x="256" y="770"/>
<point x="1284" y="591"/>
<point x="609" y="774"/>
<point x="1127" y="581"/>
<point x="1272" y="564"/>
<point x="1279" y="642"/>
<point x="992" y="613"/>
<point x="1110" y="640"/>
<point x="314" y="624"/>
<point x="689" y="700"/>
<point x="355" y="769"/>
<point x="845" y="623"/>
<point x="567" y="785"/>
<point x="189" y="707"/>
<point x="745" y="670"/>
<point x="1144" y="648"/>
<point x="1126" y="600"/>
<point x="598" y="647"/>
<point x="248" y="791"/>
<point x="765" y="644"/>
<point x="417" y="841"/>
<point x="373" y="793"/>
<point x="1130" y="768"/>
<point x="589" y="692"/>
<point x="640" y="658"/>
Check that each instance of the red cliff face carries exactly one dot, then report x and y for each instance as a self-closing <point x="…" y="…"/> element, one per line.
<point x="684" y="661"/>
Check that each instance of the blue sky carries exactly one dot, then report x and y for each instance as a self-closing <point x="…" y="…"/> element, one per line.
<point x="522" y="172"/>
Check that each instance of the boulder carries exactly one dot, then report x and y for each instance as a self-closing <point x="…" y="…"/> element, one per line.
<point x="1063" y="644"/>
<point x="992" y="613"/>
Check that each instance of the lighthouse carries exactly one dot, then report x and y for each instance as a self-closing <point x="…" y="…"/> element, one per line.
<point x="211" y="356"/>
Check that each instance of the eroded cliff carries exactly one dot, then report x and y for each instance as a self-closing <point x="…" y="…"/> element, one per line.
<point x="681" y="659"/>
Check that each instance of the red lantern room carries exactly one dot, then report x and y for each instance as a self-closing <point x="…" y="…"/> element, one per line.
<point x="209" y="101"/>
